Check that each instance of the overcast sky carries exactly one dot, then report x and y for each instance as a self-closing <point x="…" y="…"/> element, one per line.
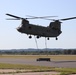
<point x="10" y="38"/>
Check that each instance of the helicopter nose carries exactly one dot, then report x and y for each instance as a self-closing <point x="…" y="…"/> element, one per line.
<point x="19" y="29"/>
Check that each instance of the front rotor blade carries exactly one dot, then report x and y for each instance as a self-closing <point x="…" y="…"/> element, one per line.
<point x="34" y="17"/>
<point x="14" y="16"/>
<point x="12" y="19"/>
<point x="68" y="18"/>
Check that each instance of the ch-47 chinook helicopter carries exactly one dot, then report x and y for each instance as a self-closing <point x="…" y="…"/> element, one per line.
<point x="53" y="30"/>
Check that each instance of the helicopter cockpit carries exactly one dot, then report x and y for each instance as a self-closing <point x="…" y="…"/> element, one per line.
<point x="23" y="25"/>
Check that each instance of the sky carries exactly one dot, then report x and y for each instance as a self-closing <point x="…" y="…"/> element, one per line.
<point x="10" y="38"/>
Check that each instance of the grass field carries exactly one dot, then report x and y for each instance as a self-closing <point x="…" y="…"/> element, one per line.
<point x="52" y="57"/>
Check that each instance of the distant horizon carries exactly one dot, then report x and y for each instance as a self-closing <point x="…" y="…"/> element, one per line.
<point x="36" y="48"/>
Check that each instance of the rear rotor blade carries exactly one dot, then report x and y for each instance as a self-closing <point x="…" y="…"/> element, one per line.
<point x="68" y="18"/>
<point x="62" y="19"/>
<point x="49" y="19"/>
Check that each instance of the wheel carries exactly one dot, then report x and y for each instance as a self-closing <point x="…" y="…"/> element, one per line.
<point x="56" y="38"/>
<point x="37" y="37"/>
<point x="48" y="38"/>
<point x="30" y="36"/>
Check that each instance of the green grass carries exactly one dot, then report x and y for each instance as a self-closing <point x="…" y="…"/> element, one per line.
<point x="37" y="68"/>
<point x="64" y="73"/>
<point x="21" y="66"/>
<point x="66" y="70"/>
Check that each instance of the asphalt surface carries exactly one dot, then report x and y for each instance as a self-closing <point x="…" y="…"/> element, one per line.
<point x="66" y="64"/>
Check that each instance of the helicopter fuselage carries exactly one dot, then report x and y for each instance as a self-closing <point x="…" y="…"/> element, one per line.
<point x="40" y="31"/>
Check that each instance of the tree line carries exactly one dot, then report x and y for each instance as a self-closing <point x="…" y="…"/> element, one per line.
<point x="40" y="52"/>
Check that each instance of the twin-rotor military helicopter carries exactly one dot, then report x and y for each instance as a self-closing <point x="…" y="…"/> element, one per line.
<point x="53" y="30"/>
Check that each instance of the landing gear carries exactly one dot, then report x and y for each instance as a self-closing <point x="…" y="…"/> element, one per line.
<point x="48" y="38"/>
<point x="56" y="38"/>
<point x="30" y="36"/>
<point x="38" y="37"/>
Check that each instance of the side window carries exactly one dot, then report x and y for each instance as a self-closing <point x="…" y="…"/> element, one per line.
<point x="29" y="27"/>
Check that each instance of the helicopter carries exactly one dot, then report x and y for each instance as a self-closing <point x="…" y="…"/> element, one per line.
<point x="53" y="30"/>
